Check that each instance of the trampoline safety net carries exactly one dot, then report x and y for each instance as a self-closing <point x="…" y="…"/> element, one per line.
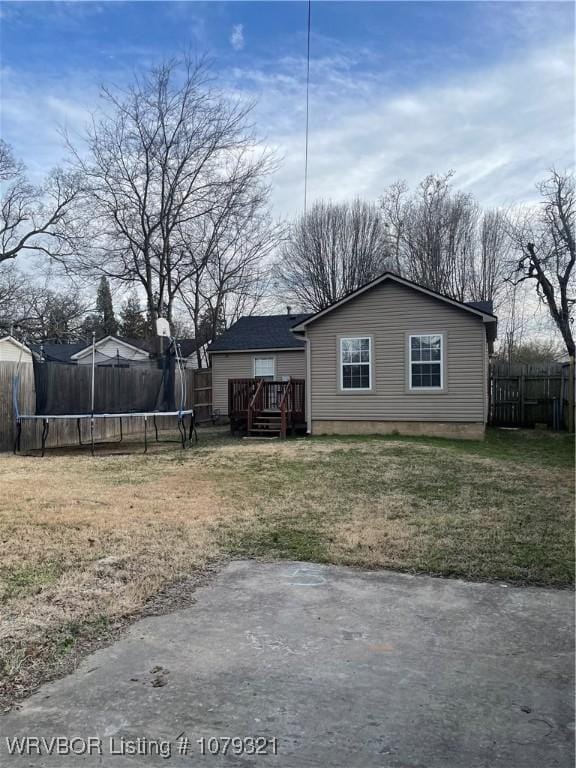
<point x="66" y="389"/>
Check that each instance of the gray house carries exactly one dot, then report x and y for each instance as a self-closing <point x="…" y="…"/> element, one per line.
<point x="390" y="357"/>
<point x="253" y="348"/>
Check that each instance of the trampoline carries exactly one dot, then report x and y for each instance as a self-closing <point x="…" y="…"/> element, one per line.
<point x="50" y="402"/>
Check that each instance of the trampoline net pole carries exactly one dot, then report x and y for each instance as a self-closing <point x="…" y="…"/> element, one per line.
<point x="93" y="372"/>
<point x="92" y="392"/>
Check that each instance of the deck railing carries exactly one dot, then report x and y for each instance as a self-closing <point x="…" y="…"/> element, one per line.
<point x="240" y="392"/>
<point x="248" y="398"/>
<point x="255" y="404"/>
<point x="285" y="404"/>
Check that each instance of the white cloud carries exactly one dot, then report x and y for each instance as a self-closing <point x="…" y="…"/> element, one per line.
<point x="500" y="128"/>
<point x="237" y="37"/>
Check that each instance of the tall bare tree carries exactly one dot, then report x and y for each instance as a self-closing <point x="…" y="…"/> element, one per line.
<point x="544" y="238"/>
<point x="441" y="238"/>
<point x="332" y="250"/>
<point x="488" y="268"/>
<point x="162" y="156"/>
<point x="35" y="219"/>
<point x="231" y="248"/>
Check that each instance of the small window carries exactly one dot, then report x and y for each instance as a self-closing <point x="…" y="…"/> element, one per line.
<point x="264" y="368"/>
<point x="356" y="360"/>
<point x="426" y="362"/>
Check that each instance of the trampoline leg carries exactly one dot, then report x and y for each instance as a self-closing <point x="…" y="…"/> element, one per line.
<point x="79" y="431"/>
<point x="18" y="436"/>
<point x="121" y="433"/>
<point x="192" y="430"/>
<point x="92" y="436"/>
<point x="182" y="431"/>
<point x="45" y="428"/>
<point x="155" y="428"/>
<point x="145" y="434"/>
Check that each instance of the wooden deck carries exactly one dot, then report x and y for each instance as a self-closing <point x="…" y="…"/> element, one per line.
<point x="262" y="408"/>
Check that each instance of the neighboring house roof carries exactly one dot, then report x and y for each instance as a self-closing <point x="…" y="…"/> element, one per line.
<point x="70" y="353"/>
<point x="484" y="306"/>
<point x="260" y="332"/>
<point x="133" y="345"/>
<point x="56" y="353"/>
<point x="188" y="346"/>
<point x="473" y="307"/>
<point x="15" y="342"/>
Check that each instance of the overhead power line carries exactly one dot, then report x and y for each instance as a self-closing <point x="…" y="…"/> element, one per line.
<point x="307" y="108"/>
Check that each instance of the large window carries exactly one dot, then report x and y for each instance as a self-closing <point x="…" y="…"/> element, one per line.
<point x="264" y="368"/>
<point x="356" y="363"/>
<point x="426" y="362"/>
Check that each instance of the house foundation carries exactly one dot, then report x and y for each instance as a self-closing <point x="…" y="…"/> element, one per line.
<point x="458" y="430"/>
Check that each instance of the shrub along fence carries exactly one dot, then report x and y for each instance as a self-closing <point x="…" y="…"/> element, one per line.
<point x="74" y="386"/>
<point x="524" y="395"/>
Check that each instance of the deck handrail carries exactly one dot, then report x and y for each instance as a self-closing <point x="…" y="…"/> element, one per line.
<point x="252" y="403"/>
<point x="283" y="412"/>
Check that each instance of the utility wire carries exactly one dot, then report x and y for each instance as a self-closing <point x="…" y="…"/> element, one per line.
<point x="307" y="109"/>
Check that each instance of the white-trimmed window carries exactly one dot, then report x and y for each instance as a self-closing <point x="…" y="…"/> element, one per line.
<point x="264" y="368"/>
<point x="356" y="363"/>
<point x="426" y="361"/>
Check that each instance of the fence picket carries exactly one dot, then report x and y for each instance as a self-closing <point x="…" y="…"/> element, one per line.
<point x="522" y="395"/>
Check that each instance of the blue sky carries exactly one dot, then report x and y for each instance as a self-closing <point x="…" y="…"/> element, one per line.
<point x="398" y="89"/>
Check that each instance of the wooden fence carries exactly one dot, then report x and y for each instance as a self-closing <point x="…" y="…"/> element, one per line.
<point x="198" y="394"/>
<point x="523" y="395"/>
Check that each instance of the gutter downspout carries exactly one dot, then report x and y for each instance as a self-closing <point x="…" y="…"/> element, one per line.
<point x="308" y="387"/>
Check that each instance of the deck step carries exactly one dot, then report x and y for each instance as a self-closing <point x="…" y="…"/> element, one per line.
<point x="266" y="425"/>
<point x="262" y="420"/>
<point x="258" y="431"/>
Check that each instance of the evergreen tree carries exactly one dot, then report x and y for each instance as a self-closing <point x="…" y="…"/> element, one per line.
<point x="108" y="325"/>
<point x="133" y="322"/>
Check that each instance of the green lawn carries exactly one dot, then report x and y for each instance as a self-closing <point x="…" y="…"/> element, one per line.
<point x="91" y="541"/>
<point x="499" y="509"/>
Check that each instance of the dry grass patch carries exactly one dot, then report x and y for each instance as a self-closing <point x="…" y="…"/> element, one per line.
<point x="87" y="543"/>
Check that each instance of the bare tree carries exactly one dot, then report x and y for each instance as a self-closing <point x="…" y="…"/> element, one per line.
<point x="35" y="219"/>
<point x="35" y="311"/>
<point x="12" y="293"/>
<point x="544" y="238"/>
<point x="545" y="350"/>
<point x="9" y="166"/>
<point x="488" y="268"/>
<point x="443" y="240"/>
<point x="332" y="250"/>
<point x="231" y="248"/>
<point x="162" y="156"/>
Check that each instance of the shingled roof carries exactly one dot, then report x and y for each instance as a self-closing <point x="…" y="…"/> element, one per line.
<point x="483" y="306"/>
<point x="260" y="332"/>
<point x="64" y="353"/>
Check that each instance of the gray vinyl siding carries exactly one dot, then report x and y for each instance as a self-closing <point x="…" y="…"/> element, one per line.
<point x="240" y="365"/>
<point x="389" y="313"/>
